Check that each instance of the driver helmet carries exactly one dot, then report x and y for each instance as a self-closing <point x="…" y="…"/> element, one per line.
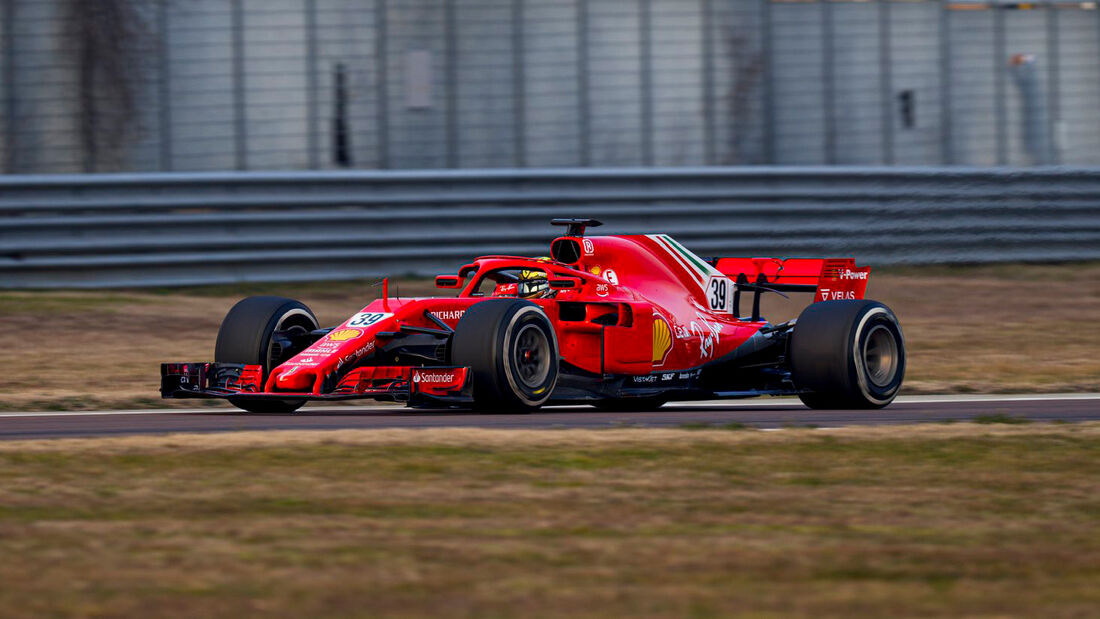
<point x="533" y="284"/>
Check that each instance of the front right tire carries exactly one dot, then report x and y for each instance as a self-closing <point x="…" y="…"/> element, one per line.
<point x="847" y="354"/>
<point x="253" y="333"/>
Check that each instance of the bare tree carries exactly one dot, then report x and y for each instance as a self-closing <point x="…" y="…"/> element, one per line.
<point x="747" y="65"/>
<point x="111" y="38"/>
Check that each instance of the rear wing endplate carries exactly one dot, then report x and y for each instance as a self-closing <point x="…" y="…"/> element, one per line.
<point x="829" y="279"/>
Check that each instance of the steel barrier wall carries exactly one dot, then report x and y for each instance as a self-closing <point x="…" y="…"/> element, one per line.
<point x="177" y="229"/>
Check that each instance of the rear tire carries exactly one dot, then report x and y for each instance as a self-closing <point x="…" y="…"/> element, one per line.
<point x="512" y="351"/>
<point x="847" y="354"/>
<point x="246" y="336"/>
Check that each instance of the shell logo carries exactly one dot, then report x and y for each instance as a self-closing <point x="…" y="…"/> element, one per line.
<point x="344" y="335"/>
<point x="595" y="270"/>
<point x="662" y="340"/>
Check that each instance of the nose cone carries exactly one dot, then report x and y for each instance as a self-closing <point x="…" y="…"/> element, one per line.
<point x="294" y="379"/>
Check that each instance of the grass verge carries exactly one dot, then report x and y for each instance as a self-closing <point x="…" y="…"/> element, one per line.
<point x="959" y="520"/>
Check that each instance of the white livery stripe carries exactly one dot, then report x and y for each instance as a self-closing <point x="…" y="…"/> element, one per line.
<point x="677" y="257"/>
<point x="706" y="268"/>
<point x="699" y="269"/>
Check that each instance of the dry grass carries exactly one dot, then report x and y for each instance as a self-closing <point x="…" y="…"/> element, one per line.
<point x="1004" y="328"/>
<point x="956" y="520"/>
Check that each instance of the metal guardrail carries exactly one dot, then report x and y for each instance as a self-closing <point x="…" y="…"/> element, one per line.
<point x="178" y="229"/>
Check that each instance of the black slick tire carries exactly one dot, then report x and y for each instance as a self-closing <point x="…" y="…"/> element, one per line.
<point x="246" y="337"/>
<point x="847" y="354"/>
<point x="512" y="351"/>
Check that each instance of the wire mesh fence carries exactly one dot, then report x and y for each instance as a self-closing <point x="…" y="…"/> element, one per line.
<point x="148" y="85"/>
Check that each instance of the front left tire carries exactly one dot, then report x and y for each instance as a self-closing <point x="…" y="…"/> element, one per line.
<point x="512" y="350"/>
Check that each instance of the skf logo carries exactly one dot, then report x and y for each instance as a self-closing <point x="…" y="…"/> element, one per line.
<point x="850" y="274"/>
<point x="344" y="335"/>
<point x="662" y="340"/>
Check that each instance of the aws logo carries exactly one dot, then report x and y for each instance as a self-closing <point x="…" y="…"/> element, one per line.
<point x="662" y="340"/>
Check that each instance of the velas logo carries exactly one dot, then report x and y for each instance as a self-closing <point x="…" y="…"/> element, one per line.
<point x="344" y="335"/>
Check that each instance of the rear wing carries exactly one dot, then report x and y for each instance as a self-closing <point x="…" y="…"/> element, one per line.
<point x="829" y="279"/>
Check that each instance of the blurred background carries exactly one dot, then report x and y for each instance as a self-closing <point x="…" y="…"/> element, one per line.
<point x="209" y="85"/>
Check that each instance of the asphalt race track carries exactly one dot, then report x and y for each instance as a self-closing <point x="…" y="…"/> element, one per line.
<point x="765" y="413"/>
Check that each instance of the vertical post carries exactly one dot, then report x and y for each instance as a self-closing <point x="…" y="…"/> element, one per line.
<point x="382" y="88"/>
<point x="164" y="87"/>
<point x="1054" y="86"/>
<point x="312" y="114"/>
<point x="450" y="24"/>
<point x="645" y="42"/>
<point x="886" y="81"/>
<point x="947" y="154"/>
<point x="341" y="151"/>
<point x="827" y="60"/>
<point x="769" y="83"/>
<point x="241" y="137"/>
<point x="519" y="87"/>
<point x="709" y="105"/>
<point x="584" y="107"/>
<point x="999" y="111"/>
<point x="8" y="41"/>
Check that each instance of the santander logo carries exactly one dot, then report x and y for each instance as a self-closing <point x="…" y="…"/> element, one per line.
<point x="422" y="377"/>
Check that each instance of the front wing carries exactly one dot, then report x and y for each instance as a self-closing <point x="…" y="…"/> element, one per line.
<point x="449" y="385"/>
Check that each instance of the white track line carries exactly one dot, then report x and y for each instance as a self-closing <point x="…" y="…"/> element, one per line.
<point x="910" y="399"/>
<point x="743" y="403"/>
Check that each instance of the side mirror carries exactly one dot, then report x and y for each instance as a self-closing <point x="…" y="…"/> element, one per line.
<point x="564" y="283"/>
<point x="447" y="281"/>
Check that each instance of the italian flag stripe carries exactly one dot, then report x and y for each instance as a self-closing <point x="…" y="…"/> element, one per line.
<point x="703" y="266"/>
<point x="663" y="241"/>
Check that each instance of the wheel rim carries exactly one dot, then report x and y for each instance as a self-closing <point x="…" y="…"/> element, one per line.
<point x="293" y="322"/>
<point x="880" y="356"/>
<point x="532" y="356"/>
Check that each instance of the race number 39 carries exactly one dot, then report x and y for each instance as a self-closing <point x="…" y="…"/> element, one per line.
<point x="366" y="319"/>
<point x="720" y="294"/>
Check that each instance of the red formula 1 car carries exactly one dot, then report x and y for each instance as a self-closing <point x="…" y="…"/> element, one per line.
<point x="619" y="322"/>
